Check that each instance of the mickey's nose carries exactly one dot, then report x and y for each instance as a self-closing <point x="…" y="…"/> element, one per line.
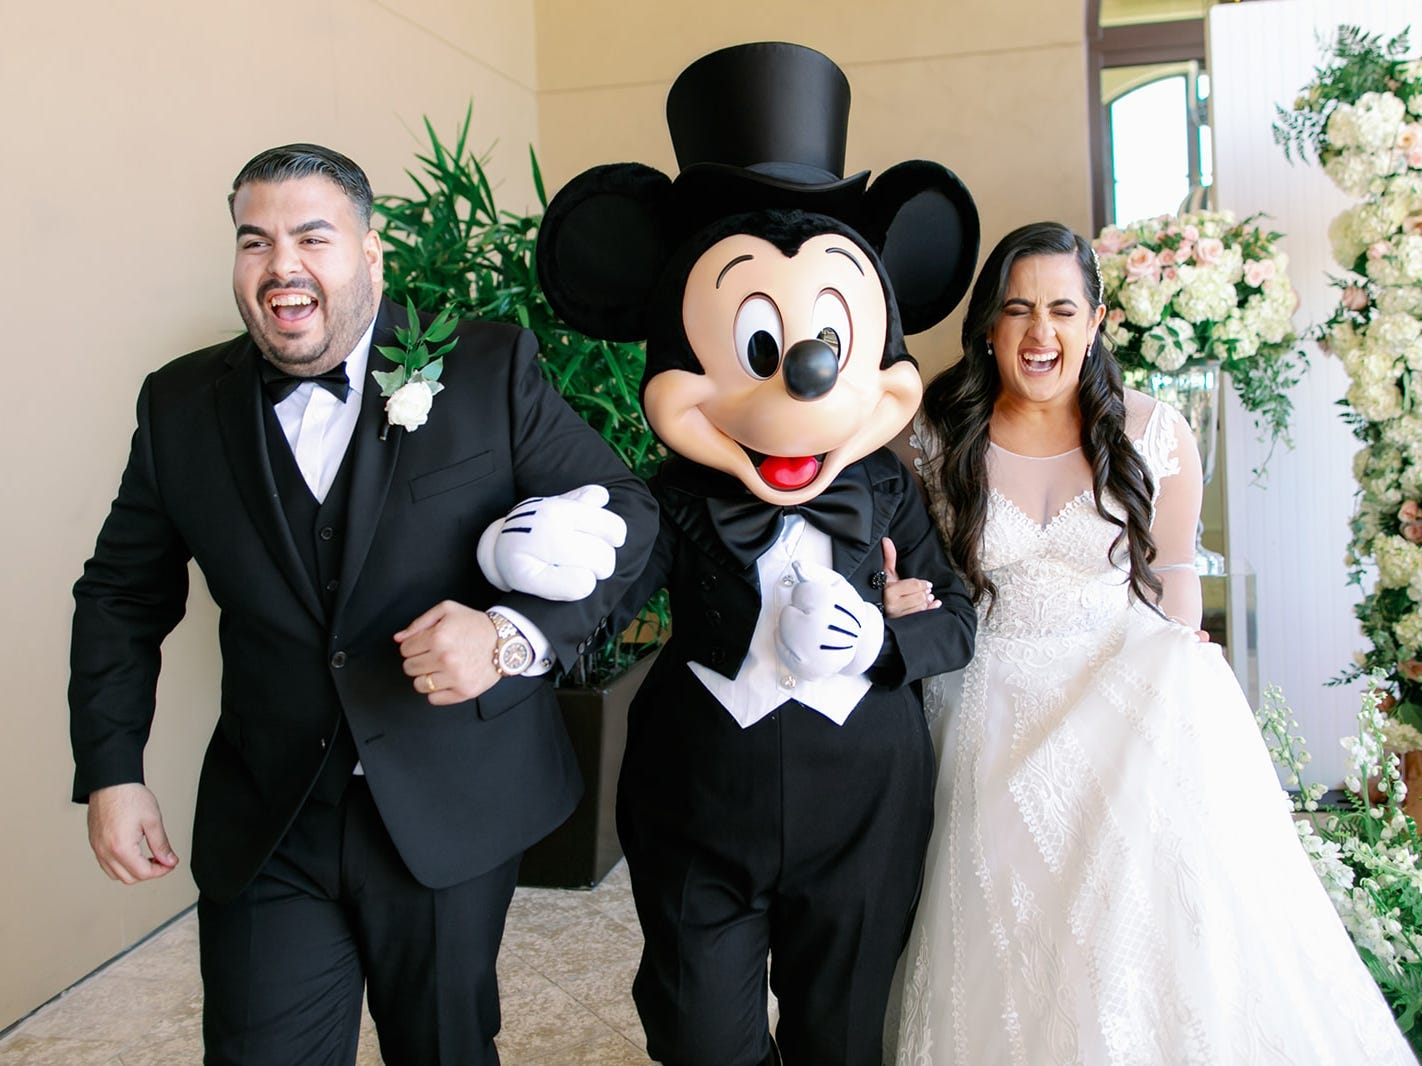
<point x="810" y="369"/>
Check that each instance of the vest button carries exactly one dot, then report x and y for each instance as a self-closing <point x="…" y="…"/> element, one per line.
<point x="327" y="533"/>
<point x="708" y="581"/>
<point x="718" y="656"/>
<point x="713" y="617"/>
<point x="338" y="660"/>
<point x="332" y="585"/>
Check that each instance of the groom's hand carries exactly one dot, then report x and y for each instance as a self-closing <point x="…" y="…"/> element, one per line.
<point x="449" y="653"/>
<point x="122" y="818"/>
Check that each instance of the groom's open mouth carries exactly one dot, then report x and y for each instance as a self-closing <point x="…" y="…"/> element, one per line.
<point x="786" y="472"/>
<point x="292" y="307"/>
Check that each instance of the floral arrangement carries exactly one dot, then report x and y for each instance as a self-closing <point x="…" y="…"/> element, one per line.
<point x="1366" y="852"/>
<point x="1198" y="288"/>
<point x="412" y="385"/>
<point x="1361" y="117"/>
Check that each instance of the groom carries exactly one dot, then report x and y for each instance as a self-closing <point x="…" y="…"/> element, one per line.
<point x="385" y="749"/>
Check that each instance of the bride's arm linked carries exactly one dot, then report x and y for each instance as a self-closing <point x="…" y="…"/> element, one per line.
<point x="1176" y="466"/>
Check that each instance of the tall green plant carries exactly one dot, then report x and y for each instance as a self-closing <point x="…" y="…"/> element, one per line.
<point x="448" y="246"/>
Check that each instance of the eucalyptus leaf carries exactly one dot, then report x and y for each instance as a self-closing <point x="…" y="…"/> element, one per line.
<point x="388" y="380"/>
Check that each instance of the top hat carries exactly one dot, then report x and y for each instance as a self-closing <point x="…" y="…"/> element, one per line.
<point x="755" y="127"/>
<point x="763" y="125"/>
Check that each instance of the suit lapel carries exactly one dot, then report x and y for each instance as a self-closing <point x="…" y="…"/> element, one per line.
<point x="373" y="460"/>
<point x="239" y="416"/>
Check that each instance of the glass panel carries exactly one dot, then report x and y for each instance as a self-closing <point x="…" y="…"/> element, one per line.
<point x="1149" y="150"/>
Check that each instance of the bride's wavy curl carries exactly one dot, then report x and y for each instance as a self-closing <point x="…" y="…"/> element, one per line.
<point x="959" y="402"/>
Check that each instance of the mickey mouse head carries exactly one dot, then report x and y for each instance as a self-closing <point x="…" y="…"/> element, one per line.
<point x="774" y="294"/>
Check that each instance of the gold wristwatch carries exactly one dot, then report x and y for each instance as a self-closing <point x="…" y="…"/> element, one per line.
<point x="513" y="654"/>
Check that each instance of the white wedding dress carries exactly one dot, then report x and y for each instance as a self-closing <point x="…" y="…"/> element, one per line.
<point x="1113" y="876"/>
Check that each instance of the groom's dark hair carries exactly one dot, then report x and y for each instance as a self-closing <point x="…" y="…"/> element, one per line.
<point x="292" y="161"/>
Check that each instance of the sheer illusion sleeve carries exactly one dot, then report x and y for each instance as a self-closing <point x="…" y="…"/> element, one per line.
<point x="1169" y="449"/>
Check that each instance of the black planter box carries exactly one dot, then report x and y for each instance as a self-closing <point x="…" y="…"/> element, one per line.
<point x="579" y="852"/>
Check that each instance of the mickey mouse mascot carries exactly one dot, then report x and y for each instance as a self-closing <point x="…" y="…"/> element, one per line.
<point x="776" y="791"/>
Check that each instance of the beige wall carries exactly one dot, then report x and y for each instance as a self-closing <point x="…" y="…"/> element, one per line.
<point x="996" y="92"/>
<point x="122" y="133"/>
<point x="124" y="125"/>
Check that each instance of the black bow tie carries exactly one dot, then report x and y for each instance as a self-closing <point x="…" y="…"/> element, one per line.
<point x="748" y="525"/>
<point x="279" y="384"/>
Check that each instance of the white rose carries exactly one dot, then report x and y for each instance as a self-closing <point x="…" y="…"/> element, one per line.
<point x="409" y="405"/>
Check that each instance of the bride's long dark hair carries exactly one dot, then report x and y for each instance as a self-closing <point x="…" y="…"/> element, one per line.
<point x="959" y="402"/>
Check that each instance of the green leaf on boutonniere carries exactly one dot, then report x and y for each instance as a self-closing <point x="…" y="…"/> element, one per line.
<point x="435" y="387"/>
<point x="432" y="372"/>
<point x="388" y="380"/>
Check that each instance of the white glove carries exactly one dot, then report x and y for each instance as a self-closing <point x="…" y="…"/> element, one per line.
<point x="827" y="628"/>
<point x="554" y="547"/>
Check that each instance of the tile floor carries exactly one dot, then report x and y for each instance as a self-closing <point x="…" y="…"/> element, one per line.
<point x="565" y="970"/>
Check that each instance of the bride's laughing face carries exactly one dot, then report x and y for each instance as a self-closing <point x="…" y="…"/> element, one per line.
<point x="1044" y="329"/>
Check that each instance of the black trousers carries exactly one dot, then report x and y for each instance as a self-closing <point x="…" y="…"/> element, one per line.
<point x="795" y="839"/>
<point x="335" y="912"/>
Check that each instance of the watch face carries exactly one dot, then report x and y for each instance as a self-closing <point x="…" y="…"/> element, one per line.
<point x="514" y="656"/>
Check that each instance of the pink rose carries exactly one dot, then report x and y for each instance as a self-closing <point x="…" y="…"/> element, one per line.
<point x="1113" y="240"/>
<point x="1412" y="531"/>
<point x="1258" y="271"/>
<point x="1191" y="233"/>
<point x="1208" y="250"/>
<point x="1378" y="249"/>
<point x="1410" y="136"/>
<point x="1184" y="252"/>
<point x="1410" y="669"/>
<point x="1166" y="257"/>
<point x="1115" y="316"/>
<point x="1414" y="156"/>
<point x="1170" y="274"/>
<point x="1142" y="263"/>
<point x="1408" y="511"/>
<point x="1412" y="225"/>
<point x="1355" y="298"/>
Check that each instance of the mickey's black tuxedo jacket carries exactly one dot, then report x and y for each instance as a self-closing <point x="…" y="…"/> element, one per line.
<point x="716" y="599"/>
<point x="461" y="789"/>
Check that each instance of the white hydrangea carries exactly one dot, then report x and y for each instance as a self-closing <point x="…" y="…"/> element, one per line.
<point x="1144" y="301"/>
<point x="1400" y="300"/>
<point x="1355" y="172"/>
<point x="1375" y="400"/>
<point x="1408" y="629"/>
<point x="1398" y="560"/>
<point x="1170" y="344"/>
<point x="1206" y="294"/>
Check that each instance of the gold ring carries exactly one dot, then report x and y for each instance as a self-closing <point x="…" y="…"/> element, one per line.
<point x="429" y="684"/>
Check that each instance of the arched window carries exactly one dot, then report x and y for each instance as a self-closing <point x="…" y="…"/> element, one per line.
<point x="1158" y="157"/>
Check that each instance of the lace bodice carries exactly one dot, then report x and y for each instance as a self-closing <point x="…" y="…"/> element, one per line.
<point x="1052" y="565"/>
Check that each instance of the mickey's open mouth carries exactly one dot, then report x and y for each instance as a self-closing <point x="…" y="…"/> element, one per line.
<point x="784" y="472"/>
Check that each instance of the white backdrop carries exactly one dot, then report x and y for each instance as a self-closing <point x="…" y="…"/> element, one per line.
<point x="1293" y="533"/>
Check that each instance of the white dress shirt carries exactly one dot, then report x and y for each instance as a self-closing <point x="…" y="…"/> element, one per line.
<point x="764" y="681"/>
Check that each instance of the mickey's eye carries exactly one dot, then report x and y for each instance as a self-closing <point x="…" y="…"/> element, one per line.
<point x="759" y="336"/>
<point x="831" y="323"/>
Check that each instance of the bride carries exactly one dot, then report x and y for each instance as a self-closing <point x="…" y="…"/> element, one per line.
<point x="1113" y="876"/>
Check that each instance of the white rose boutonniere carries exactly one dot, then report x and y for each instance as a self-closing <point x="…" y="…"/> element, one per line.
<point x="414" y="383"/>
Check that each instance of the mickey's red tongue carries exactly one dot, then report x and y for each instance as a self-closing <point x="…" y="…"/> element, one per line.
<point x="782" y="472"/>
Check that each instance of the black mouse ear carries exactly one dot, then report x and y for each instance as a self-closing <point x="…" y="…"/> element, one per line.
<point x="602" y="246"/>
<point x="925" y="225"/>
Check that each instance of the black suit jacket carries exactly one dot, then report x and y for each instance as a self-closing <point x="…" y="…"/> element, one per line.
<point x="460" y="789"/>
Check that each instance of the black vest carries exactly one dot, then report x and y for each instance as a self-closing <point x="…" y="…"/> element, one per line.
<point x="319" y="532"/>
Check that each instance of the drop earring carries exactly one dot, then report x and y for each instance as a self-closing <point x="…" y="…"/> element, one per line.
<point x="989" y="350"/>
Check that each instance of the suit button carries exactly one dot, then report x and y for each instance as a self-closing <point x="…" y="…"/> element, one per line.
<point x="708" y="581"/>
<point x="338" y="660"/>
<point x="332" y="585"/>
<point x="327" y="533"/>
<point x="713" y="617"/>
<point x="718" y="656"/>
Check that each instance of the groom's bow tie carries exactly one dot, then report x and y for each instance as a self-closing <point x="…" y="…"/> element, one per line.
<point x="279" y="384"/>
<point x="748" y="525"/>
